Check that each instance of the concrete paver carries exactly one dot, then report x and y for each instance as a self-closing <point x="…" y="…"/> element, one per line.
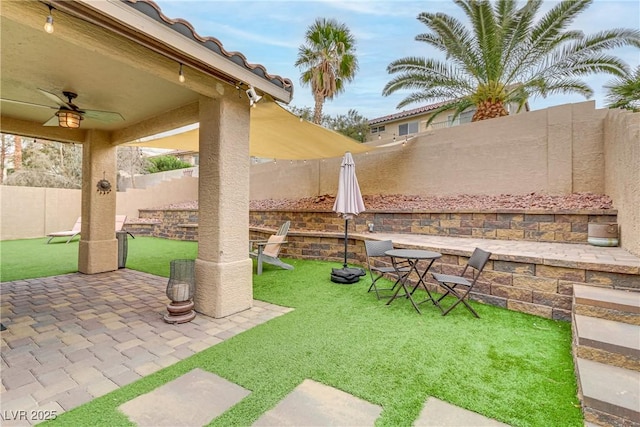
<point x="193" y="399"/>
<point x="315" y="404"/>
<point x="437" y="413"/>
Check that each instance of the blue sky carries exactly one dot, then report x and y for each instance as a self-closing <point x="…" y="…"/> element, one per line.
<point x="269" y="32"/>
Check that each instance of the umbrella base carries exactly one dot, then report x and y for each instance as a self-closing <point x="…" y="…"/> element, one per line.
<point x="346" y="275"/>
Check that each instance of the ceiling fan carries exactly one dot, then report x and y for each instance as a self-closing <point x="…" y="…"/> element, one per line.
<point x="69" y="114"/>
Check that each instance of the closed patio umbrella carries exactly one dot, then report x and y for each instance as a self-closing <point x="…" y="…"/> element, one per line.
<point x="348" y="204"/>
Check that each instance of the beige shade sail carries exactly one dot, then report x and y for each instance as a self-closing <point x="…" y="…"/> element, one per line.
<point x="275" y="133"/>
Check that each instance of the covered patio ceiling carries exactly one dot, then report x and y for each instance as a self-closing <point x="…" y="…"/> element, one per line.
<point x="117" y="56"/>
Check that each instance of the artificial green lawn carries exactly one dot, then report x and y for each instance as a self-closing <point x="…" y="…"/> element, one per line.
<point x="31" y="258"/>
<point x="507" y="365"/>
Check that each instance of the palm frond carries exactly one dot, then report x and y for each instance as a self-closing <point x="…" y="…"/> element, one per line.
<point x="506" y="53"/>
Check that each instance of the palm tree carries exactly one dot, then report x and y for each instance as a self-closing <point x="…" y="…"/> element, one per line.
<point x="504" y="55"/>
<point x="624" y="92"/>
<point x="327" y="61"/>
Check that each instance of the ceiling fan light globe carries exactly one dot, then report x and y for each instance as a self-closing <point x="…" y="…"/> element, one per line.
<point x="69" y="119"/>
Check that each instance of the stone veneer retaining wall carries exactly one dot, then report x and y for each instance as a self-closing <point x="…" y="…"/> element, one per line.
<point x="515" y="224"/>
<point x="529" y="225"/>
<point x="530" y="285"/>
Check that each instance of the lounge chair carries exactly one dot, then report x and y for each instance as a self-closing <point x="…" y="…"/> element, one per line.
<point x="68" y="233"/>
<point x="267" y="250"/>
<point x="120" y="220"/>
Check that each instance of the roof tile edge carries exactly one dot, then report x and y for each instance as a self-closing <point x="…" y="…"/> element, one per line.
<point x="155" y="13"/>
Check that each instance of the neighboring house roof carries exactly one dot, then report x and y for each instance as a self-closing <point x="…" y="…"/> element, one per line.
<point x="185" y="28"/>
<point x="408" y="113"/>
<point x="416" y="112"/>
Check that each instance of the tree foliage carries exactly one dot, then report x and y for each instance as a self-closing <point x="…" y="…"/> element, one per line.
<point x="131" y="162"/>
<point x="624" y="92"/>
<point x="48" y="164"/>
<point x="505" y="54"/>
<point x="165" y="163"/>
<point x="352" y="125"/>
<point x="327" y="60"/>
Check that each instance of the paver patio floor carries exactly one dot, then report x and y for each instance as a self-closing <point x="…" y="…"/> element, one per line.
<point x="75" y="337"/>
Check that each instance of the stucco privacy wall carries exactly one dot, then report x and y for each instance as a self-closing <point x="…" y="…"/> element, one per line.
<point x="29" y="212"/>
<point x="558" y="150"/>
<point x="622" y="173"/>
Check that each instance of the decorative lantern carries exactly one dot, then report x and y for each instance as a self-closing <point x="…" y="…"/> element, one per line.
<point x="180" y="291"/>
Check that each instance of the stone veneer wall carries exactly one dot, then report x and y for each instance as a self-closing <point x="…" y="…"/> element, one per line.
<point x="175" y="224"/>
<point x="541" y="226"/>
<point x="529" y="225"/>
<point x="565" y="227"/>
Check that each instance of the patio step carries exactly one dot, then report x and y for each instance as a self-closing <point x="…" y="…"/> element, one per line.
<point x="606" y="348"/>
<point x="607" y="341"/>
<point x="610" y="395"/>
<point x="607" y="303"/>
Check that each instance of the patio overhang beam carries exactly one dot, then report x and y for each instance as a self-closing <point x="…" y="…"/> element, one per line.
<point x="30" y="129"/>
<point x="168" y="121"/>
<point x="119" y="18"/>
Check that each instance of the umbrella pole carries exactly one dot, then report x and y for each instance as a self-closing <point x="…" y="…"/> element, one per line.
<point x="346" y="225"/>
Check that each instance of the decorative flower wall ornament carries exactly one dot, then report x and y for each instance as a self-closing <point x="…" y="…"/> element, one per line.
<point x="104" y="186"/>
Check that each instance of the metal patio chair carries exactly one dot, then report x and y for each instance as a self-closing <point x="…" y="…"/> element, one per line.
<point x="451" y="282"/>
<point x="376" y="249"/>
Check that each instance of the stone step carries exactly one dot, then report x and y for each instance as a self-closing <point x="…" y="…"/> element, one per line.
<point x="610" y="395"/>
<point x="607" y="341"/>
<point x="607" y="303"/>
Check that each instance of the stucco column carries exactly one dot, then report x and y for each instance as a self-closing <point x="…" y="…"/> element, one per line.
<point x="223" y="268"/>
<point x="98" y="250"/>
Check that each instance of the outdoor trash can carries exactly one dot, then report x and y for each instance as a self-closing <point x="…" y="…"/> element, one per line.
<point x="122" y="248"/>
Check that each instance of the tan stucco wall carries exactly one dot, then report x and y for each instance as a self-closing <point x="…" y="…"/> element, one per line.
<point x="180" y="190"/>
<point x="622" y="173"/>
<point x="29" y="212"/>
<point x="556" y="151"/>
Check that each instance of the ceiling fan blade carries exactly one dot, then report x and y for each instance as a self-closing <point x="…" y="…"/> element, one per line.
<point x="13" y="101"/>
<point x="55" y="98"/>
<point x="53" y="121"/>
<point x="103" y="116"/>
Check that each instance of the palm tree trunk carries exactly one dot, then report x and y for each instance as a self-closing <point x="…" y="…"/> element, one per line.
<point x="17" y="153"/>
<point x="489" y="109"/>
<point x="317" y="111"/>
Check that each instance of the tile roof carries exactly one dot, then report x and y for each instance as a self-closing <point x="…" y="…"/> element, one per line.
<point x="185" y="28"/>
<point x="407" y="113"/>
